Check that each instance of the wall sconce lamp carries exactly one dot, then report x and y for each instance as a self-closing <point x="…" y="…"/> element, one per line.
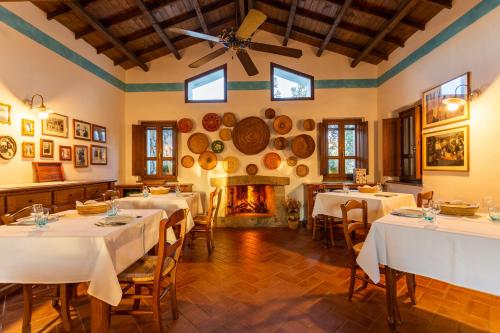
<point x="43" y="111"/>
<point x="455" y="102"/>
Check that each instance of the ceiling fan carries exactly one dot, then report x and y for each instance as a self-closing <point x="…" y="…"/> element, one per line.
<point x="240" y="40"/>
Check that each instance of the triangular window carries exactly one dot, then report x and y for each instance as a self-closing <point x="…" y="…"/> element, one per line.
<point x="208" y="87"/>
<point x="289" y="84"/>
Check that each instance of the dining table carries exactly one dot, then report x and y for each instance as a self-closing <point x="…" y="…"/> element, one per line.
<point x="169" y="202"/>
<point x="458" y="250"/>
<point x="78" y="248"/>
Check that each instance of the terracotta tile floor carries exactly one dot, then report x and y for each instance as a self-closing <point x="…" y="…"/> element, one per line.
<point x="279" y="281"/>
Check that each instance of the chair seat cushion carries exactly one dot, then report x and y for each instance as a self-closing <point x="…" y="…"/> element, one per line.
<point x="143" y="270"/>
<point x="357" y="247"/>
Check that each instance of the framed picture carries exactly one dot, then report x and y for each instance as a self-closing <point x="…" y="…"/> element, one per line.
<point x="5" y="113"/>
<point x="28" y="127"/>
<point x="46" y="148"/>
<point x="436" y="113"/>
<point x="8" y="147"/>
<point x="446" y="150"/>
<point x="28" y="150"/>
<point x="55" y="125"/>
<point x="65" y="153"/>
<point x="81" y="156"/>
<point x="82" y="130"/>
<point x="98" y="133"/>
<point x="99" y="155"/>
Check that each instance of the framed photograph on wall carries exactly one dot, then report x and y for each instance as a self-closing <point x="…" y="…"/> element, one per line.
<point x="436" y="113"/>
<point x="5" y="113"/>
<point x="98" y="155"/>
<point x="65" y="153"/>
<point x="55" y="125"/>
<point x="28" y="149"/>
<point x="99" y="133"/>
<point x="28" y="127"/>
<point x="81" y="153"/>
<point x="46" y="148"/>
<point x="82" y="130"/>
<point x="446" y="150"/>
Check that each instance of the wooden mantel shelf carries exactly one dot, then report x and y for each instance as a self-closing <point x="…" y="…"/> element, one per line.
<point x="249" y="180"/>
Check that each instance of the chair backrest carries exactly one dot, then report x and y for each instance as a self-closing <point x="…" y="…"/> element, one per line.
<point x="213" y="209"/>
<point x="427" y="196"/>
<point x="109" y="194"/>
<point x="23" y="212"/>
<point x="350" y="226"/>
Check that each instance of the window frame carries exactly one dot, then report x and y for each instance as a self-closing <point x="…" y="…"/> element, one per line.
<point x="187" y="81"/>
<point x="293" y="71"/>
<point x="361" y="152"/>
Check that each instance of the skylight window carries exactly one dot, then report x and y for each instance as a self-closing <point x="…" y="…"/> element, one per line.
<point x="288" y="84"/>
<point x="208" y="87"/>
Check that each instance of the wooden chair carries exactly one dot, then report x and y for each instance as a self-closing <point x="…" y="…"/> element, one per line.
<point x="61" y="295"/>
<point x="324" y="222"/>
<point x="156" y="274"/>
<point x="204" y="223"/>
<point x="350" y="229"/>
<point x="424" y="196"/>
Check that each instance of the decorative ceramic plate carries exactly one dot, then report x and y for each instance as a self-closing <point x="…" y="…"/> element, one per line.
<point x="270" y="113"/>
<point x="292" y="161"/>
<point x="225" y="134"/>
<point x="211" y="122"/>
<point x="251" y="135"/>
<point x="230" y="164"/>
<point x="198" y="143"/>
<point x="302" y="170"/>
<point x="217" y="146"/>
<point x="252" y="169"/>
<point x="282" y="124"/>
<point x="309" y="125"/>
<point x="8" y="147"/>
<point x="303" y="146"/>
<point x="185" y="125"/>
<point x="207" y="160"/>
<point x="272" y="161"/>
<point x="187" y="161"/>
<point x="280" y="143"/>
<point x="229" y="119"/>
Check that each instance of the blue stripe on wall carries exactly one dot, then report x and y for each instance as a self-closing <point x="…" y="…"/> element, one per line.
<point x="24" y="27"/>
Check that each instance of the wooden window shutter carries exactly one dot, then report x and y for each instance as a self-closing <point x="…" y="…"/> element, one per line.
<point x="322" y="149"/>
<point x="391" y="150"/>
<point x="138" y="150"/>
<point x="418" y="141"/>
<point x="362" y="148"/>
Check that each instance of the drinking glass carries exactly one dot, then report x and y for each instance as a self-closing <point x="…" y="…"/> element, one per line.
<point x="427" y="210"/>
<point x="345" y="188"/>
<point x="112" y="208"/>
<point x="436" y="209"/>
<point x="488" y="202"/>
<point x="379" y="187"/>
<point x="145" y="191"/>
<point x="494" y="213"/>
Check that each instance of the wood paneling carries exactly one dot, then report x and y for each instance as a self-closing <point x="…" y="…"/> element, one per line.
<point x="18" y="201"/>
<point x="68" y="196"/>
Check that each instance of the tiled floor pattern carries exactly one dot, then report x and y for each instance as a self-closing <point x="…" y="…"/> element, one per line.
<point x="279" y="281"/>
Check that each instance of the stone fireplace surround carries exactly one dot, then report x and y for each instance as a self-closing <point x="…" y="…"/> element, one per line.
<point x="278" y="218"/>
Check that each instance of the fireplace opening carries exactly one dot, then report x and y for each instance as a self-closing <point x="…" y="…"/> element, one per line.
<point x="250" y="200"/>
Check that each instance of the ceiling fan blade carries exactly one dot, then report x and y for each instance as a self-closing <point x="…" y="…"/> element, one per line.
<point x="194" y="34"/>
<point x="281" y="50"/>
<point x="250" y="24"/>
<point x="209" y="57"/>
<point x="247" y="63"/>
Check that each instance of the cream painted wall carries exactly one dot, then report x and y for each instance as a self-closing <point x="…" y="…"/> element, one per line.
<point x="334" y="103"/>
<point x="474" y="49"/>
<point x="29" y="68"/>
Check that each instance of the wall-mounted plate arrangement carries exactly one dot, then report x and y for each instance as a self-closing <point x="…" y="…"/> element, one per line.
<point x="252" y="169"/>
<point x="270" y="113"/>
<point x="280" y="143"/>
<point x="217" y="146"/>
<point x="225" y="134"/>
<point x="211" y="122"/>
<point x="282" y="124"/>
<point x="230" y="164"/>
<point x="229" y="119"/>
<point x="272" y="161"/>
<point x="198" y="143"/>
<point x="302" y="170"/>
<point x="309" y="125"/>
<point x="303" y="146"/>
<point x="187" y="161"/>
<point x="207" y="160"/>
<point x="251" y="135"/>
<point x="185" y="125"/>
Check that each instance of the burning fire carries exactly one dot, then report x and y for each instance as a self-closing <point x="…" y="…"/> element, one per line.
<point x="252" y="195"/>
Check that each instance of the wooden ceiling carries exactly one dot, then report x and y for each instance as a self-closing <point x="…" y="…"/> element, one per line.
<point x="134" y="32"/>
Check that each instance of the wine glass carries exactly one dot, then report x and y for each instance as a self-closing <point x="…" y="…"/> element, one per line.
<point x="436" y="209"/>
<point x="488" y="202"/>
<point x="345" y="188"/>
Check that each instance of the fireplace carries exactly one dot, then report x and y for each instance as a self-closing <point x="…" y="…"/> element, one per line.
<point x="251" y="201"/>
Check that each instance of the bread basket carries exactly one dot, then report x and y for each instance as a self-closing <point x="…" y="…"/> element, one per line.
<point x="459" y="209"/>
<point x="92" y="208"/>
<point x="159" y="190"/>
<point x="367" y="189"/>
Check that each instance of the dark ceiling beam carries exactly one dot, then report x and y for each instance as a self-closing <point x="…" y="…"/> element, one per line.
<point x="81" y="12"/>
<point x="63" y="10"/>
<point x="335" y="24"/>
<point x="241" y="4"/>
<point x="122" y="17"/>
<point x="291" y="18"/>
<point x="328" y="19"/>
<point x="165" y="24"/>
<point x="156" y="47"/>
<point x="333" y="41"/>
<point x="154" y="23"/>
<point x="201" y="19"/>
<point x="442" y="3"/>
<point x="403" y="9"/>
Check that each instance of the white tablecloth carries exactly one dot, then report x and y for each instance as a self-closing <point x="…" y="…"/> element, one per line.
<point x="74" y="250"/>
<point x="329" y="204"/>
<point x="168" y="202"/>
<point x="460" y="251"/>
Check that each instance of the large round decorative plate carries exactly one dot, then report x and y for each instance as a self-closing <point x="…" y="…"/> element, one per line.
<point x="207" y="160"/>
<point x="280" y="143"/>
<point x="302" y="170"/>
<point x="187" y="161"/>
<point x="211" y="122"/>
<point x="282" y="124"/>
<point x="230" y="164"/>
<point x="251" y="135"/>
<point x="198" y="143"/>
<point x="291" y="161"/>
<point x="272" y="161"/>
<point x="270" y="113"/>
<point x="225" y="134"/>
<point x="229" y="119"/>
<point x="217" y="146"/>
<point x="185" y="125"/>
<point x="303" y="146"/>
<point x="252" y="169"/>
<point x="309" y="125"/>
<point x="8" y="147"/>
